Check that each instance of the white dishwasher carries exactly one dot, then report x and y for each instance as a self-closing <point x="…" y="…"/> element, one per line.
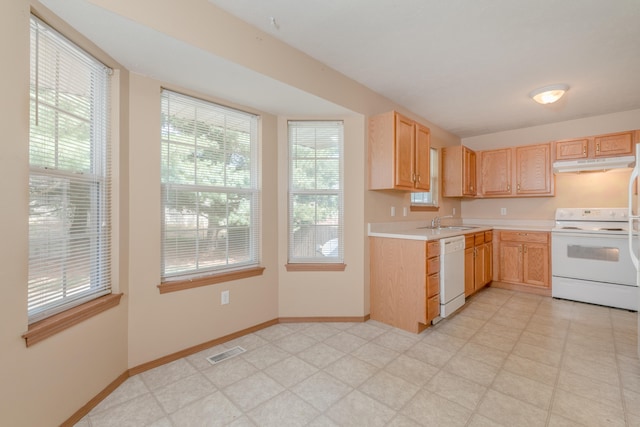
<point x="451" y="274"/>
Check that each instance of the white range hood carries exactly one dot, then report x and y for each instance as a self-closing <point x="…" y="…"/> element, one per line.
<point x="592" y="165"/>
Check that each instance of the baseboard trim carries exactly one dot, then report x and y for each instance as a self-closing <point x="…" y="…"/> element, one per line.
<point x="198" y="348"/>
<point x="522" y="288"/>
<point x="323" y="319"/>
<point x="82" y="412"/>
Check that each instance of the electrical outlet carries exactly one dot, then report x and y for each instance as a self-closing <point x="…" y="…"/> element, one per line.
<point x="453" y="212"/>
<point x="224" y="297"/>
<point x="393" y="211"/>
<point x="404" y="211"/>
<point x="503" y="211"/>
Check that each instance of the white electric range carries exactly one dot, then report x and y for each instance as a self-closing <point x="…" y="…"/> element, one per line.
<point x="590" y="257"/>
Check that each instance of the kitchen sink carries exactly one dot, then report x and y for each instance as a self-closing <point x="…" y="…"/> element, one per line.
<point x="451" y="228"/>
<point x="457" y="227"/>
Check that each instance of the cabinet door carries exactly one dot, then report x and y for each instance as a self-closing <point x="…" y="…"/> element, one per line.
<point x="495" y="172"/>
<point x="536" y="264"/>
<point x="617" y="144"/>
<point x="478" y="266"/>
<point x="422" y="164"/>
<point x="469" y="275"/>
<point x="488" y="263"/>
<point x="404" y="152"/>
<point x="510" y="262"/>
<point x="533" y="169"/>
<point x="468" y="172"/>
<point x="573" y="149"/>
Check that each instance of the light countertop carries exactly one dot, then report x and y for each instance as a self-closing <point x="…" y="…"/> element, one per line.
<point x="420" y="230"/>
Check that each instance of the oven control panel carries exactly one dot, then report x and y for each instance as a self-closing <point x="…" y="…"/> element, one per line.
<point x="592" y="214"/>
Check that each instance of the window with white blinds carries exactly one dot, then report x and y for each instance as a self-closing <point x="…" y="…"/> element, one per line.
<point x="69" y="181"/>
<point x="429" y="198"/>
<point x="210" y="188"/>
<point x="316" y="192"/>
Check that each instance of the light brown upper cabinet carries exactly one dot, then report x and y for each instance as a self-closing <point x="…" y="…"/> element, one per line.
<point x="534" y="175"/>
<point x="458" y="172"/>
<point x="398" y="153"/>
<point x="609" y="145"/>
<point x="516" y="172"/>
<point x="496" y="172"/>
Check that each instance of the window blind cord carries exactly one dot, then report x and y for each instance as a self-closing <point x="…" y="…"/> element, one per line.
<point x="37" y="75"/>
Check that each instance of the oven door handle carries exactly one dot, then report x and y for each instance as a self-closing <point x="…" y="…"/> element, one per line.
<point x="632" y="216"/>
<point x="632" y="252"/>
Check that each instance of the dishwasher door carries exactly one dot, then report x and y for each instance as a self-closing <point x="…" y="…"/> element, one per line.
<point x="451" y="275"/>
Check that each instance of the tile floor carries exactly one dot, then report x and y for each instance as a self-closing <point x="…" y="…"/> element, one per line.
<point x="507" y="359"/>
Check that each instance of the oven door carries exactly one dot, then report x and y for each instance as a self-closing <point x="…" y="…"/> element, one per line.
<point x="591" y="257"/>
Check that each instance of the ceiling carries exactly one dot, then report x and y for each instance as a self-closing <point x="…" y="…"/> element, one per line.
<point x="465" y="65"/>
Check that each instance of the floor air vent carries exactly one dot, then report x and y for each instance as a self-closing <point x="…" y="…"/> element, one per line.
<point x="228" y="354"/>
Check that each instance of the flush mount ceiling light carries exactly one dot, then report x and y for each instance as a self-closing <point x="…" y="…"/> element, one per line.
<point x="549" y="94"/>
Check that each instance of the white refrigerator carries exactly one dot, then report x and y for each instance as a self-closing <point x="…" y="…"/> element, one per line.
<point x="634" y="218"/>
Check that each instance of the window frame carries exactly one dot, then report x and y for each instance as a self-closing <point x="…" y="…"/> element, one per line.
<point x="50" y="52"/>
<point x="315" y="263"/>
<point x="51" y="322"/>
<point x="434" y="194"/>
<point x="196" y="276"/>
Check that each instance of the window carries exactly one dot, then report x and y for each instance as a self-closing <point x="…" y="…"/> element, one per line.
<point x="429" y="199"/>
<point x="316" y="192"/>
<point x="210" y="193"/>
<point x="69" y="180"/>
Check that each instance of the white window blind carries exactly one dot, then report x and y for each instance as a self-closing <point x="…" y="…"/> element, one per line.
<point x="210" y="190"/>
<point x="429" y="198"/>
<point x="69" y="182"/>
<point x="316" y="192"/>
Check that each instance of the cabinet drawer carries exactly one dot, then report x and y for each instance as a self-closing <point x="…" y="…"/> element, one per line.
<point x="488" y="236"/>
<point x="468" y="241"/>
<point x="525" y="236"/>
<point x="433" y="307"/>
<point x="433" y="265"/>
<point x="433" y="249"/>
<point x="433" y="285"/>
<point x="478" y="238"/>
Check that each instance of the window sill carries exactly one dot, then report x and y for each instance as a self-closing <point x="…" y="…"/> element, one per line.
<point x="181" y="285"/>
<point x="315" y="267"/>
<point x="59" y="322"/>
<point x="417" y="208"/>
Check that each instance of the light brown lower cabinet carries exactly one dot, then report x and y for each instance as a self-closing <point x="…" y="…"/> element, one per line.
<point x="478" y="261"/>
<point x="524" y="260"/>
<point x="405" y="282"/>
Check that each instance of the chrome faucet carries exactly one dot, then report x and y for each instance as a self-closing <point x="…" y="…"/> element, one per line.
<point x="435" y="222"/>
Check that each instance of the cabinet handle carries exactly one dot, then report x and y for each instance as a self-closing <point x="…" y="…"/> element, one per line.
<point x="598" y="147"/>
<point x="471" y="187"/>
<point x="525" y="249"/>
<point x="518" y="187"/>
<point x="419" y="178"/>
<point x="508" y="187"/>
<point x="584" y="149"/>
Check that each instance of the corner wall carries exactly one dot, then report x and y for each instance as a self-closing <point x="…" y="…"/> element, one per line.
<point x="44" y="384"/>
